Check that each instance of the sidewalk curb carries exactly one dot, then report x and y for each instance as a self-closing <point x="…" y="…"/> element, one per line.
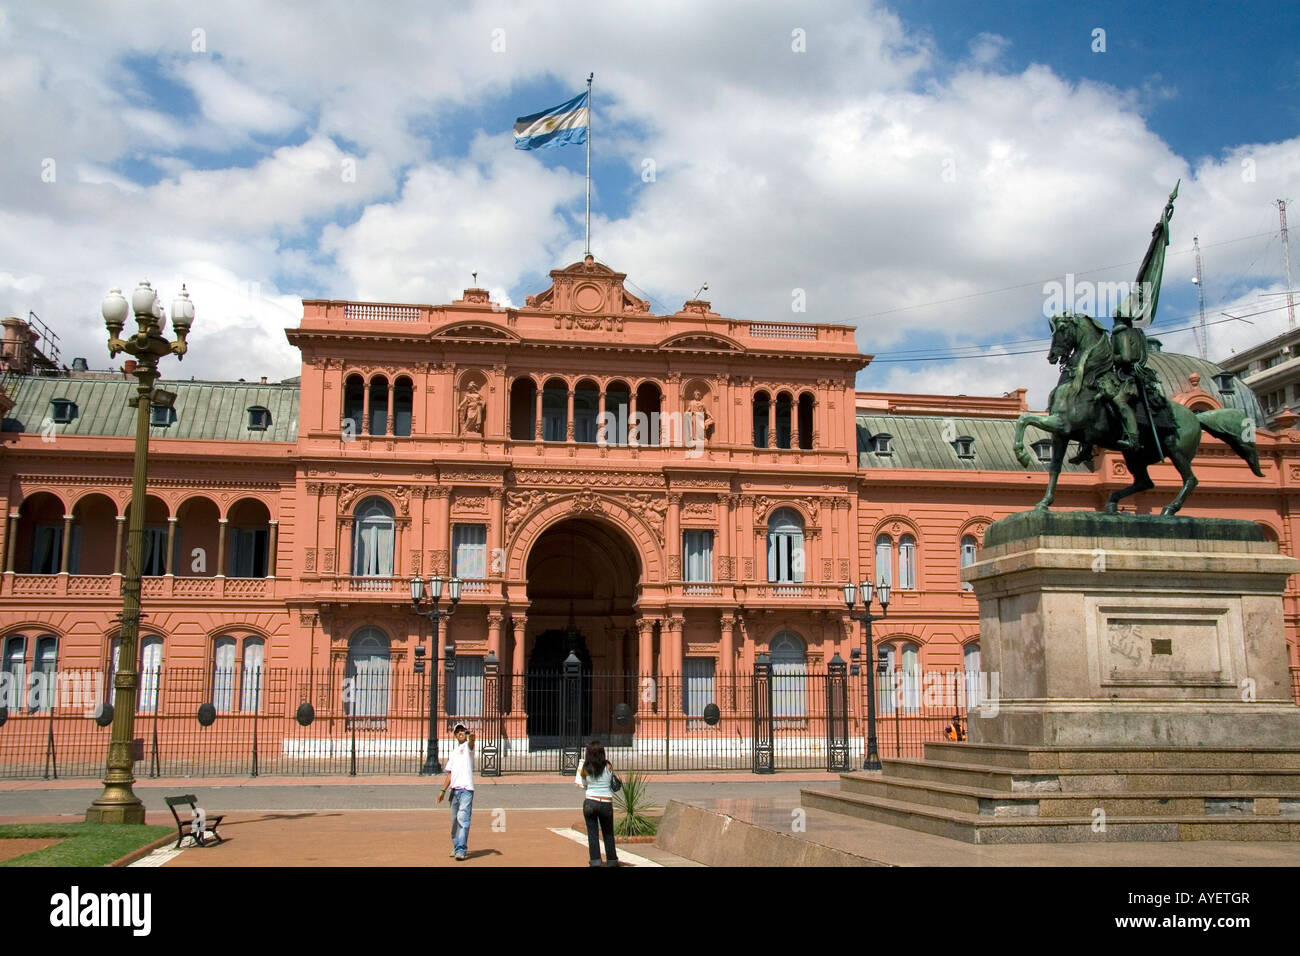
<point x="141" y="852"/>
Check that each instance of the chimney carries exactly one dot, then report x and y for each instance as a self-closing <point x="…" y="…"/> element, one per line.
<point x="17" y="344"/>
<point x="263" y="379"/>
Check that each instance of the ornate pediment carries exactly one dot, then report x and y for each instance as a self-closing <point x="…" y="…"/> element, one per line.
<point x="587" y="289"/>
<point x="708" y="341"/>
<point x="475" y="330"/>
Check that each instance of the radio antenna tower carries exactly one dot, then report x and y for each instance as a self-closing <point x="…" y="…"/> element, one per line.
<point x="1201" y="344"/>
<point x="1286" y="261"/>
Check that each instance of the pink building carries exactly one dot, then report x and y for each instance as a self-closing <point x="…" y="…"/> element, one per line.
<point x="665" y="496"/>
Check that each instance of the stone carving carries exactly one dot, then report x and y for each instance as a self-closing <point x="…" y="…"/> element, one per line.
<point x="587" y="501"/>
<point x="403" y="495"/>
<point x="535" y="476"/>
<point x="309" y="563"/>
<point x="415" y="562"/>
<point x="749" y="569"/>
<point x="698" y="509"/>
<point x="475" y="503"/>
<point x="437" y="562"/>
<point x="347" y="494"/>
<point x="519" y="504"/>
<point x="327" y="564"/>
<point x="726" y="569"/>
<point x="674" y="567"/>
<point x="471" y="412"/>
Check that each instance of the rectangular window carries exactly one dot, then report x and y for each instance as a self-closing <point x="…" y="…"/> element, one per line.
<point x="154" y="561"/>
<point x="465" y="695"/>
<point x="697" y="686"/>
<point x="248" y="552"/>
<point x="47" y="548"/>
<point x="697" y="556"/>
<point x="469" y="551"/>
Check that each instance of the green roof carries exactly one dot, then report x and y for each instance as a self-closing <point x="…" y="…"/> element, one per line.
<point x="1173" y="369"/>
<point x="205" y="411"/>
<point x="918" y="442"/>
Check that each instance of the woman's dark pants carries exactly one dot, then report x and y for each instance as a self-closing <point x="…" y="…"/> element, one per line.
<point x="599" y="810"/>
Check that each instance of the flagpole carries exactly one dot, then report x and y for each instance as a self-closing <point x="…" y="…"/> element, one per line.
<point x="590" y="77"/>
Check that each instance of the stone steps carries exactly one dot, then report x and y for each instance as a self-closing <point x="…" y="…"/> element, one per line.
<point x="1111" y="758"/>
<point x="989" y="829"/>
<point x="1188" y="778"/>
<point x="984" y="802"/>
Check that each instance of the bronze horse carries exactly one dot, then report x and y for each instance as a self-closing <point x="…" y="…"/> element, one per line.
<point x="1077" y="412"/>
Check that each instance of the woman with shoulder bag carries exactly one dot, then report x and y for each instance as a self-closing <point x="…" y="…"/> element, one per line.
<point x="597" y="777"/>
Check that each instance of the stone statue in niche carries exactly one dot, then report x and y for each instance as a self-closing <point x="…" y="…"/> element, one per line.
<point x="701" y="422"/>
<point x="471" y="412"/>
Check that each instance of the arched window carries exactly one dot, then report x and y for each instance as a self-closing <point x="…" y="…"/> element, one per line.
<point x="910" y="682"/>
<point x="884" y="560"/>
<point x="906" y="562"/>
<point x="15" y="671"/>
<point x="555" y="410"/>
<point x="884" y="678"/>
<point x="223" y="674"/>
<point x="523" y="409"/>
<point x="586" y="399"/>
<point x="354" y="405"/>
<point x="46" y="666"/>
<point x="250" y="699"/>
<point x="762" y="404"/>
<point x="365" y="689"/>
<point x="403" y="402"/>
<point x="150" y="674"/>
<point x="968" y="548"/>
<point x="379" y="405"/>
<point x="785" y="555"/>
<point x="649" y="405"/>
<point x="372" y="539"/>
<point x="789" y="670"/>
<point x="783" y="407"/>
<point x="971" y="661"/>
<point x="618" y="398"/>
<point x="805" y="420"/>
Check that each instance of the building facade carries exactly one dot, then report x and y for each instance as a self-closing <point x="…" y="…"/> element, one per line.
<point x="665" y="497"/>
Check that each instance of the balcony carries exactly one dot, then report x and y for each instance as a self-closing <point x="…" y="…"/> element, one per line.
<point x="392" y="586"/>
<point x="110" y="586"/>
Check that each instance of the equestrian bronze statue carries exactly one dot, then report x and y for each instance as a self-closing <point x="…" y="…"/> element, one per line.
<point x="1107" y="397"/>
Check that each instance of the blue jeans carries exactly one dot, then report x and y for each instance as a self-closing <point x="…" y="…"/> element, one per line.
<point x="462" y="804"/>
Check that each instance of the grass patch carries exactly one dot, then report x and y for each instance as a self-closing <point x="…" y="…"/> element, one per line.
<point x="84" y="844"/>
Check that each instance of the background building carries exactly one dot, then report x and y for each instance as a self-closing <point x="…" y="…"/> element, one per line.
<point x="665" y="496"/>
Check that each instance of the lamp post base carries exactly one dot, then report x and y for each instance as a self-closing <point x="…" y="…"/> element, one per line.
<point x="431" y="767"/>
<point x="116" y="805"/>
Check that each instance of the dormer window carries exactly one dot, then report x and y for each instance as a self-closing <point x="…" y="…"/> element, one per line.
<point x="259" y="418"/>
<point x="882" y="444"/>
<point x="1224" y="380"/>
<point x="161" y="416"/>
<point x="1043" y="449"/>
<point x="964" y="446"/>
<point x="63" y="410"/>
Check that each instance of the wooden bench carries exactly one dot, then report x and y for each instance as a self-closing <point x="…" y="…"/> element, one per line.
<point x="185" y="828"/>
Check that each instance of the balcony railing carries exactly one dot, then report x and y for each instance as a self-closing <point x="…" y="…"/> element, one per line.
<point x="110" y="586"/>
<point x="399" y="585"/>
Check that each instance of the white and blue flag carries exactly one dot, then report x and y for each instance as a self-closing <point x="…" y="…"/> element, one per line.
<point x="563" y="125"/>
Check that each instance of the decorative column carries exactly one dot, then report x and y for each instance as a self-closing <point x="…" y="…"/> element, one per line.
<point x="221" y="546"/>
<point x="441" y="527"/>
<point x="494" y="621"/>
<point x="771" y="418"/>
<point x="746" y="538"/>
<point x="645" y="627"/>
<point x="673" y="532"/>
<point x="519" y="624"/>
<point x="67" y="540"/>
<point x="343" y="566"/>
<point x="632" y="430"/>
<point x="568" y="424"/>
<point x="271" y="548"/>
<point x="117" y="546"/>
<point x="11" y="536"/>
<point x="724" y="547"/>
<point x="365" y="409"/>
<point x="496" y="563"/>
<point x="727" y="644"/>
<point x="537" y="417"/>
<point x="171" y="545"/>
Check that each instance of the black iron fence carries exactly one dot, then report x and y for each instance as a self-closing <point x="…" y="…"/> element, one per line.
<point x="376" y="721"/>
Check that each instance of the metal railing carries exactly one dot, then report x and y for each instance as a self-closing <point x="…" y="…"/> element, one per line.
<point x="374" y="721"/>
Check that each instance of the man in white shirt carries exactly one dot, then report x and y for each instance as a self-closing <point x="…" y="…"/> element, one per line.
<point x="460" y="781"/>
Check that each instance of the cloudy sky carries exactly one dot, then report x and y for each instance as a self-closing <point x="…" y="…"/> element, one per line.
<point x="920" y="170"/>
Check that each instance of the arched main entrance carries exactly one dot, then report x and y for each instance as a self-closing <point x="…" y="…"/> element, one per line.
<point x="582" y="577"/>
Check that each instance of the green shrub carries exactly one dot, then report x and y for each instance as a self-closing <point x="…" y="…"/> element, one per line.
<point x="633" y="802"/>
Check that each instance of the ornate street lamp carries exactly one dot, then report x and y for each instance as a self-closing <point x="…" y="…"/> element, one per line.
<point x="866" y="617"/>
<point x="118" y="803"/>
<point x="435" y="615"/>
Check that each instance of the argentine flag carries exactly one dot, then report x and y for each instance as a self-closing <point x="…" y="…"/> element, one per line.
<point x="563" y="125"/>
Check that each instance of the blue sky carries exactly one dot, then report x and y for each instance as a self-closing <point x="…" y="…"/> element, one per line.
<point x="917" y="169"/>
